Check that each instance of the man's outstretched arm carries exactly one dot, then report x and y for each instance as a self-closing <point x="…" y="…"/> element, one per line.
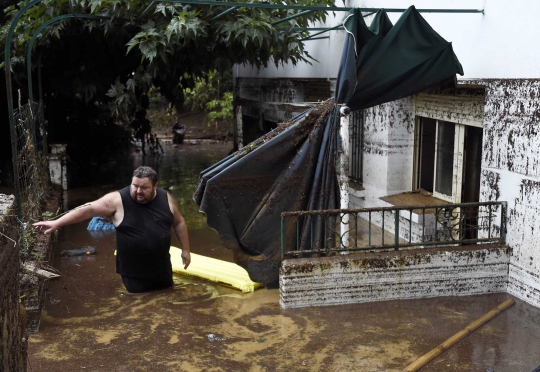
<point x="181" y="231"/>
<point x="105" y="207"/>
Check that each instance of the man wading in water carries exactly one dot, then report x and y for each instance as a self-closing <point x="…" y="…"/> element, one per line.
<point x="143" y="215"/>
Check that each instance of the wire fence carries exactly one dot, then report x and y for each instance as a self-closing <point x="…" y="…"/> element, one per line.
<point x="30" y="171"/>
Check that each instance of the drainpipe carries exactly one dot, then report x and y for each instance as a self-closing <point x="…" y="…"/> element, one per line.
<point x="343" y="172"/>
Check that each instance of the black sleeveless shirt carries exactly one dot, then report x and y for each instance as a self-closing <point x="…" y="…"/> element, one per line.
<point x="143" y="238"/>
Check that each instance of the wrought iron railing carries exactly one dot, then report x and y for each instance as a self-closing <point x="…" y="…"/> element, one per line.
<point x="306" y="233"/>
<point x="356" y="153"/>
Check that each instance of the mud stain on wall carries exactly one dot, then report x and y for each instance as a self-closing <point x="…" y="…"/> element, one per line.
<point x="512" y="115"/>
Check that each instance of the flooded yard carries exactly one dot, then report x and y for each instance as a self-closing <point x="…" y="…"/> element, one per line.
<point x="90" y="322"/>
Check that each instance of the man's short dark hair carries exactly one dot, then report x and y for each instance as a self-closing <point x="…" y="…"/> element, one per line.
<point x="146" y="172"/>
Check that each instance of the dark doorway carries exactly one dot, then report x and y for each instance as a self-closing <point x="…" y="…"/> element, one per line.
<point x="473" y="161"/>
<point x="426" y="151"/>
<point x="470" y="192"/>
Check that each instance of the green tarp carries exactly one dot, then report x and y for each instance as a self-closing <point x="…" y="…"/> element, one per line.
<point x="287" y="169"/>
<point x="382" y="63"/>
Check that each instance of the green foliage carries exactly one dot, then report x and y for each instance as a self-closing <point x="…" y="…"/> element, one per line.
<point x="114" y="61"/>
<point x="183" y="34"/>
<point x="209" y="91"/>
<point x="206" y="88"/>
<point x="212" y="93"/>
<point x="124" y="98"/>
<point x="184" y="28"/>
<point x="159" y="112"/>
<point x="221" y="109"/>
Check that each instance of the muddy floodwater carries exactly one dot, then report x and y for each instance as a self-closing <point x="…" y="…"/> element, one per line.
<point x="90" y="322"/>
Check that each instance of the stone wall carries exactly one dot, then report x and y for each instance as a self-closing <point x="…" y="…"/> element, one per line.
<point x="396" y="275"/>
<point x="12" y="345"/>
<point x="33" y="290"/>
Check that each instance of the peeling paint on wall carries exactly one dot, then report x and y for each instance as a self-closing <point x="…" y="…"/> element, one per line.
<point x="524" y="284"/>
<point x="489" y="186"/>
<point x="524" y="227"/>
<point x="512" y="116"/>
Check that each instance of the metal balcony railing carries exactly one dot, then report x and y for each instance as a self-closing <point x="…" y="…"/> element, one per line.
<point x="307" y="233"/>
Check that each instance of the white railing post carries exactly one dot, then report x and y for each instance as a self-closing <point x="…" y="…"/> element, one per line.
<point x="343" y="173"/>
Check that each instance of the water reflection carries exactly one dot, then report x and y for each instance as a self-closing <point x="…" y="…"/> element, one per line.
<point x="193" y="292"/>
<point x="179" y="171"/>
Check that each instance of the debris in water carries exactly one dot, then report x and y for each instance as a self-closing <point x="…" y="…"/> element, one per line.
<point x="213" y="337"/>
<point x="84" y="251"/>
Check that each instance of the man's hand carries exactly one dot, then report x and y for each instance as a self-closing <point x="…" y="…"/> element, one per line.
<point x="186" y="258"/>
<point x="46" y="227"/>
<point x="180" y="230"/>
<point x="106" y="206"/>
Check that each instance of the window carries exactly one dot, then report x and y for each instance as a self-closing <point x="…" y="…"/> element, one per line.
<point x="356" y="125"/>
<point x="448" y="159"/>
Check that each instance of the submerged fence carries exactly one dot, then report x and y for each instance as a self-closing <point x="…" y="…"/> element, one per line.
<point x="336" y="231"/>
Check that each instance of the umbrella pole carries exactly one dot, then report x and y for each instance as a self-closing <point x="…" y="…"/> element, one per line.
<point x="426" y="358"/>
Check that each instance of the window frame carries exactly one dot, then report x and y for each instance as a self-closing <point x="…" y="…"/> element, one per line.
<point x="457" y="166"/>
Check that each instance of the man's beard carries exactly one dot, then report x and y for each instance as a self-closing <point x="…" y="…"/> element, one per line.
<point x="145" y="200"/>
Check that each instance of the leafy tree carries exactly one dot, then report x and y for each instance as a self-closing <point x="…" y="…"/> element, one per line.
<point x="172" y="39"/>
<point x="220" y="113"/>
<point x="210" y="86"/>
<point x="100" y="70"/>
<point x="212" y="93"/>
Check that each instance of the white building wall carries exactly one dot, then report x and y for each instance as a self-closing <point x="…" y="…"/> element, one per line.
<point x="375" y="166"/>
<point x="326" y="54"/>
<point x="401" y="149"/>
<point x="388" y="150"/>
<point x="511" y="172"/>
<point x="496" y="44"/>
<point x="510" y="164"/>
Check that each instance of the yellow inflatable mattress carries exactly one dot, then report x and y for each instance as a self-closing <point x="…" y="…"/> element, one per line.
<point x="214" y="270"/>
